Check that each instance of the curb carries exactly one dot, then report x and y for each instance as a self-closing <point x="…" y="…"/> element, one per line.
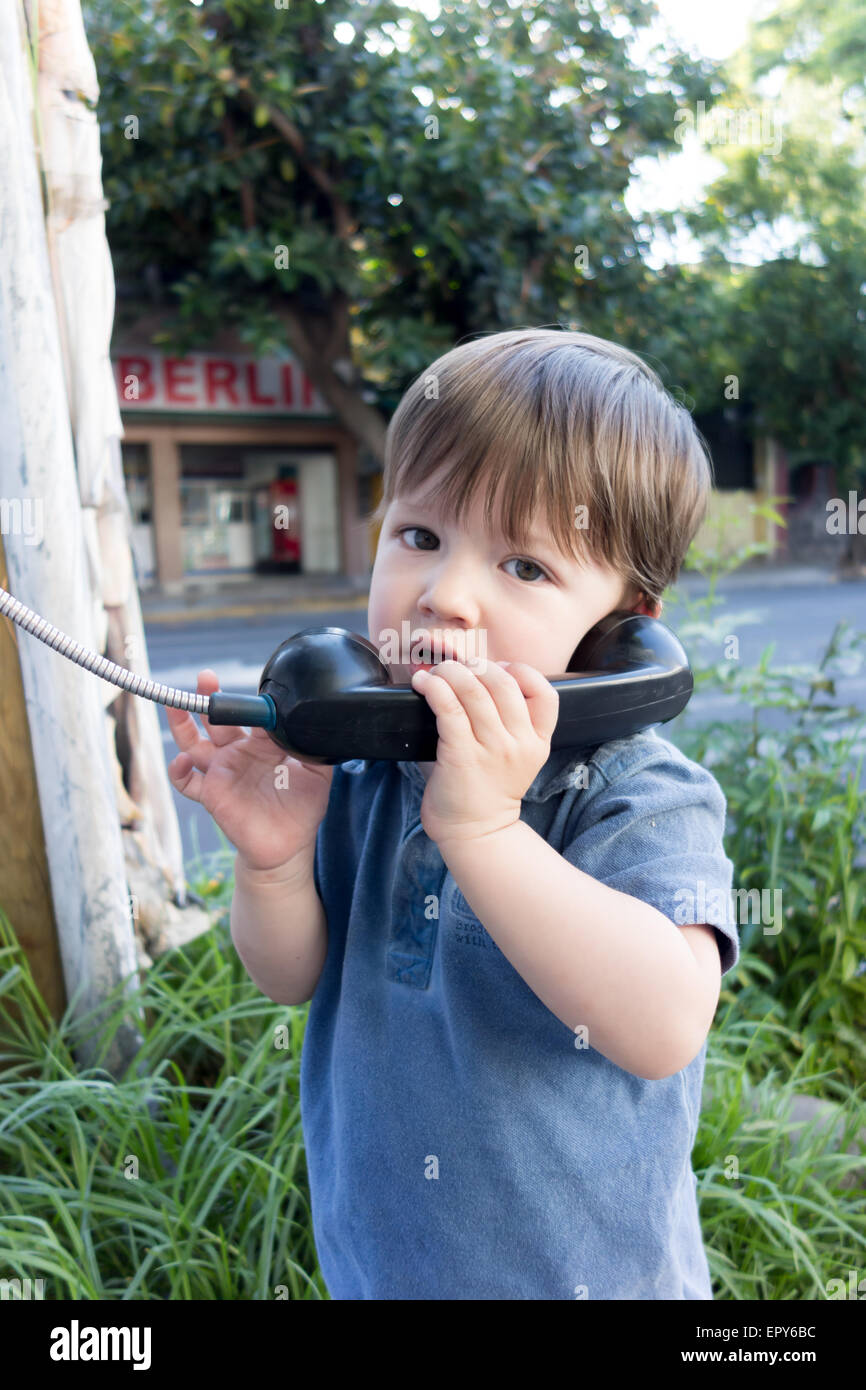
<point x="690" y="584"/>
<point x="784" y="576"/>
<point x="255" y="610"/>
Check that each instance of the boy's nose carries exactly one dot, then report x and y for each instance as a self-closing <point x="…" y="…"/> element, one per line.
<point x="456" y="617"/>
<point x="449" y="601"/>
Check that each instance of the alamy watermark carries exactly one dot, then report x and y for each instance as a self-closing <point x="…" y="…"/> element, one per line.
<point x="846" y="521"/>
<point x="755" y="125"/>
<point x="741" y="906"/>
<point x="77" y="1343"/>
<point x="22" y="517"/>
<point x="415" y="646"/>
<point x="21" y="1289"/>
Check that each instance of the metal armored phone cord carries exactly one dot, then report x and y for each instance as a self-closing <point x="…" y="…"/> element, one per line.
<point x="258" y="710"/>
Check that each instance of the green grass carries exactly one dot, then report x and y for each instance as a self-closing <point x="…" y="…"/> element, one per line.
<point x="782" y="1213"/>
<point x="183" y="1180"/>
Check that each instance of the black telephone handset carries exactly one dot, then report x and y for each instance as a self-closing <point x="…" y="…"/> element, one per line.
<point x="325" y="695"/>
<point x="333" y="699"/>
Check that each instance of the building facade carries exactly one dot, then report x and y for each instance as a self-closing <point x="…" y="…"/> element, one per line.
<point x="234" y="466"/>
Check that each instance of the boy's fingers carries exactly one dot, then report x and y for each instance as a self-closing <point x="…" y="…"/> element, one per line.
<point x="220" y="734"/>
<point x="186" y="732"/>
<point x="542" y="701"/>
<point x="185" y="777"/>
<point x="188" y="738"/>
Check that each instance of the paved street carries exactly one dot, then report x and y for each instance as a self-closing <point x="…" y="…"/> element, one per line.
<point x="799" y="618"/>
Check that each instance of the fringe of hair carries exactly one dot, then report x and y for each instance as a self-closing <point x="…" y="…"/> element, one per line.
<point x="565" y="426"/>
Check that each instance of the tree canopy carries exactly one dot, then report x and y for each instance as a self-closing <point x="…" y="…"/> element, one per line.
<point x="793" y="327"/>
<point x="367" y="187"/>
<point x="426" y="180"/>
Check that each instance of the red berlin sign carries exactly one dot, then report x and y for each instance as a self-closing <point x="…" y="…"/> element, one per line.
<point x="260" y="385"/>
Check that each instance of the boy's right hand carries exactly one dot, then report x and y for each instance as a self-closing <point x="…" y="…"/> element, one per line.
<point x="233" y="774"/>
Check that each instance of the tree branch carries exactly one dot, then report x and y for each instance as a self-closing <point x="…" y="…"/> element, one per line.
<point x="361" y="419"/>
<point x="248" y="207"/>
<point x="344" y="226"/>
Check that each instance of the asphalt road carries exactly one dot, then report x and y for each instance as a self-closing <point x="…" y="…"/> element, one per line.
<point x="798" y="619"/>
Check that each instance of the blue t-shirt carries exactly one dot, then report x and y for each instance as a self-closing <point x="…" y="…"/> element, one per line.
<point x="459" y="1144"/>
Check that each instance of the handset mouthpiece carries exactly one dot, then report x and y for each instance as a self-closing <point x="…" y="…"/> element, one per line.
<point x="255" y="711"/>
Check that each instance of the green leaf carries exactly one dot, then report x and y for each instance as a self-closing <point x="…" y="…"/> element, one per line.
<point x="822" y="817"/>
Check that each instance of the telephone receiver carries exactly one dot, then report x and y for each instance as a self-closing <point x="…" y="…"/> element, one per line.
<point x="326" y="696"/>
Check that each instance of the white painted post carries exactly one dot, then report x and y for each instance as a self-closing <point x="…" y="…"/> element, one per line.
<point x="47" y="563"/>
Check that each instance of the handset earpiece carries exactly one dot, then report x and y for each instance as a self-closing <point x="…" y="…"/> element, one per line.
<point x="334" y="699"/>
<point x="629" y="672"/>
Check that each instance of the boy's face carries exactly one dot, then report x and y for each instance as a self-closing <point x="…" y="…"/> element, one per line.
<point x="459" y="586"/>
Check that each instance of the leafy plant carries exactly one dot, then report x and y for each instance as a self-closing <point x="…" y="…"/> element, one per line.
<point x="796" y="826"/>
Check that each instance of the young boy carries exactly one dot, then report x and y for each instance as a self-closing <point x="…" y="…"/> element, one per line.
<point x="502" y="1066"/>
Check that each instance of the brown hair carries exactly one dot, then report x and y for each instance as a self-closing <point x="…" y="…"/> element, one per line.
<point x="552" y="419"/>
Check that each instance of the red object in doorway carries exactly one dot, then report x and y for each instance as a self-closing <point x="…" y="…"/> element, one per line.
<point x="286" y="520"/>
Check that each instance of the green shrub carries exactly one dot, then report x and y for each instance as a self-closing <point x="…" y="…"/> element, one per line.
<point x="796" y="823"/>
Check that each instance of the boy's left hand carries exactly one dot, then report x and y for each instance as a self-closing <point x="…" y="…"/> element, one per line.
<point x="494" y="737"/>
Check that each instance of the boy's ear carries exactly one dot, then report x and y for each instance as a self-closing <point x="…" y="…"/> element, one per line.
<point x="653" y="608"/>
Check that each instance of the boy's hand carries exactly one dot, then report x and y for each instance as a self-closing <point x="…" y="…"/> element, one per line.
<point x="267" y="803"/>
<point x="494" y="737"/>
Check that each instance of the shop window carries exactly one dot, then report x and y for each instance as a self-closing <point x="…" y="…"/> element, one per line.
<point x="233" y="507"/>
<point x="194" y="503"/>
<point x="136" y="475"/>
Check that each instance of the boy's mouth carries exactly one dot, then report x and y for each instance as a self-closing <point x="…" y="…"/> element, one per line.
<point x="428" y="665"/>
<point x="443" y="651"/>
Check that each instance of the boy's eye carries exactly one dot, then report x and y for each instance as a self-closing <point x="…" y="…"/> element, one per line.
<point x="420" y="530"/>
<point x="406" y="529"/>
<point x="532" y="579"/>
